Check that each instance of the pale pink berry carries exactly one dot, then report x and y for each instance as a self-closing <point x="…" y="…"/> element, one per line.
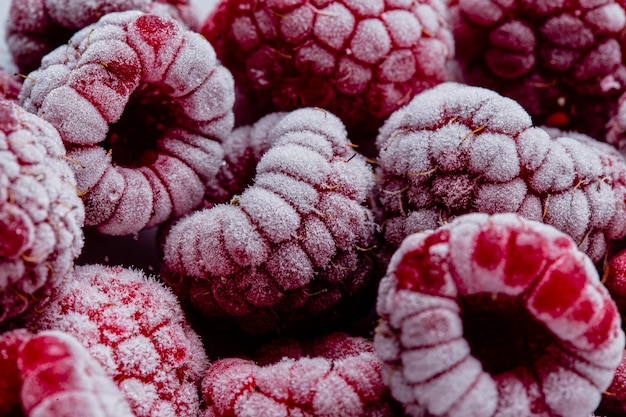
<point x="359" y="59"/>
<point x="135" y="327"/>
<point x="36" y="27"/>
<point x="496" y="315"/>
<point x="334" y="375"/>
<point x="456" y="149"/>
<point x="142" y="106"/>
<point x="294" y="246"/>
<point x="616" y="126"/>
<point x="41" y="217"/>
<point x="50" y="374"/>
<point x="561" y="60"/>
<point x="10" y="85"/>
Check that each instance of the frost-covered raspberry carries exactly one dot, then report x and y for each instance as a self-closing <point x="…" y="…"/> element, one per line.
<point x="456" y="149"/>
<point x="562" y="60"/>
<point x="616" y="126"/>
<point x="496" y="315"/>
<point x="142" y="106"/>
<point x="294" y="246"/>
<point x="41" y="217"/>
<point x="359" y="59"/>
<point x="36" y="27"/>
<point x="335" y="375"/>
<point x="50" y="374"/>
<point x="135" y="327"/>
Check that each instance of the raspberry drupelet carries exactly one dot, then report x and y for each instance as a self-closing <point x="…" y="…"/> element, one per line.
<point x="456" y="149"/>
<point x="333" y="375"/>
<point x="359" y="59"/>
<point x="561" y="60"/>
<point x="136" y="328"/>
<point x="36" y="27"/>
<point x="496" y="315"/>
<point x="41" y="217"/>
<point x="142" y="106"/>
<point x="50" y="374"/>
<point x="294" y="247"/>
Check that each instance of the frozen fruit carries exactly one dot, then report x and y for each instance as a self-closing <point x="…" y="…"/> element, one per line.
<point x="41" y="217"/>
<point x="359" y="59"/>
<point x="456" y="149"/>
<point x="50" y="374"/>
<point x="562" y="60"/>
<point x="142" y="106"/>
<point x="36" y="27"/>
<point x="335" y="375"/>
<point x="135" y="327"/>
<point x="294" y="246"/>
<point x="616" y="126"/>
<point x="496" y="315"/>
<point x="243" y="149"/>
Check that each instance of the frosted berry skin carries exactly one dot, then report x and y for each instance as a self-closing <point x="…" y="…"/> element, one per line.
<point x="359" y="59"/>
<point x="10" y="86"/>
<point x="335" y="375"/>
<point x="50" y="374"/>
<point x="294" y="246"/>
<point x="135" y="327"/>
<point x="41" y="217"/>
<point x="36" y="27"/>
<point x="496" y="315"/>
<point x="562" y="61"/>
<point x="142" y="106"/>
<point x="456" y="149"/>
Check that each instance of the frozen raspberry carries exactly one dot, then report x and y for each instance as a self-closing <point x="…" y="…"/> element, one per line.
<point x="335" y="375"/>
<point x="36" y="27"/>
<point x="616" y="127"/>
<point x="135" y="327"/>
<point x="142" y="106"/>
<point x="359" y="59"/>
<point x="496" y="315"/>
<point x="50" y="374"/>
<point x="10" y="86"/>
<point x="456" y="149"/>
<point x="561" y="60"/>
<point x="294" y="246"/>
<point x="243" y="149"/>
<point x="41" y="217"/>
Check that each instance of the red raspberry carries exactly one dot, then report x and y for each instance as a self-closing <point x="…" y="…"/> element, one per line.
<point x="496" y="315"/>
<point x="359" y="59"/>
<point x="142" y="106"/>
<point x="50" y="374"/>
<point x="335" y="375"/>
<point x="457" y="149"/>
<point x="561" y="60"/>
<point x="41" y="217"/>
<point x="36" y="27"/>
<point x="135" y="327"/>
<point x="293" y="247"/>
<point x="616" y="127"/>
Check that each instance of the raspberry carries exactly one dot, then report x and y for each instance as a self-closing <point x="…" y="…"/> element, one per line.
<point x="293" y="247"/>
<point x="496" y="315"/>
<point x="335" y="375"/>
<point x="135" y="327"/>
<point x="616" y="126"/>
<point x="456" y="149"/>
<point x="614" y="398"/>
<point x="51" y="374"/>
<point x="36" y="27"/>
<point x="359" y="59"/>
<point x="142" y="106"/>
<point x="562" y="61"/>
<point x="41" y="217"/>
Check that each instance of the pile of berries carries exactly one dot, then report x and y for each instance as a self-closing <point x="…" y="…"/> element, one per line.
<point x="313" y="208"/>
